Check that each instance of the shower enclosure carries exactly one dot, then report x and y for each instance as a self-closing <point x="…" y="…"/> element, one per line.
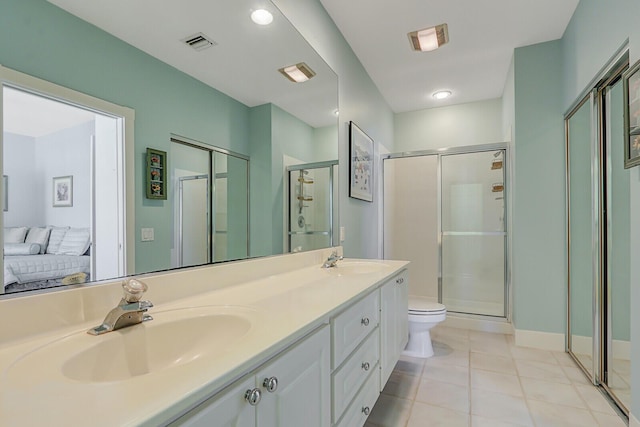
<point x="310" y="206"/>
<point x="445" y="212"/>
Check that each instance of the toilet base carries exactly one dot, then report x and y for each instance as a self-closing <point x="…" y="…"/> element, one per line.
<point x="419" y="345"/>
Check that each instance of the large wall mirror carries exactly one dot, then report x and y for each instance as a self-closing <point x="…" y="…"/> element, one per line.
<point x="197" y="80"/>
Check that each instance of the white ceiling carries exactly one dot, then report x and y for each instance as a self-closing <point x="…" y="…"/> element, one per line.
<point x="475" y="62"/>
<point x="473" y="65"/>
<point x="35" y="116"/>
<point x="245" y="62"/>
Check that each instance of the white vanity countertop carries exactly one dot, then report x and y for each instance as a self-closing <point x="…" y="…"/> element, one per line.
<point x="282" y="308"/>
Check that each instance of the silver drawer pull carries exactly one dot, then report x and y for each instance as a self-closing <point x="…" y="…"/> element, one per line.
<point x="253" y="396"/>
<point x="366" y="410"/>
<point x="400" y="281"/>
<point x="271" y="384"/>
<point x="365" y="321"/>
<point x="366" y="366"/>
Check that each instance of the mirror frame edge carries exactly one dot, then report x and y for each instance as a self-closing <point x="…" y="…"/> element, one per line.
<point x="19" y="80"/>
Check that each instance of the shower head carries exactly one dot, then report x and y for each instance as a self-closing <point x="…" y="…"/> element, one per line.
<point x="497" y="153"/>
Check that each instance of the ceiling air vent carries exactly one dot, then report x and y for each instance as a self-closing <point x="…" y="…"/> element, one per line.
<point x="199" y="41"/>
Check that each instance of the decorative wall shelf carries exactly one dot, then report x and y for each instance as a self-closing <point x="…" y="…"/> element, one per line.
<point x="156" y="174"/>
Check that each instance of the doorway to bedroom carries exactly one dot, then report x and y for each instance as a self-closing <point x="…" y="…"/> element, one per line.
<point x="63" y="192"/>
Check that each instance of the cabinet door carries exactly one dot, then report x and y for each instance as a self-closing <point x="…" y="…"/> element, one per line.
<point x="394" y="326"/>
<point x="226" y="409"/>
<point x="302" y="396"/>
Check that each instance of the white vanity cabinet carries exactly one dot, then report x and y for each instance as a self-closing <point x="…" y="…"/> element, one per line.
<point x="291" y="390"/>
<point x="331" y="378"/>
<point x="394" y="323"/>
<point x="356" y="358"/>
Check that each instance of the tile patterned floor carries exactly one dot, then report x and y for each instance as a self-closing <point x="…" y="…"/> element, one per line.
<point x="481" y="379"/>
<point x="619" y="376"/>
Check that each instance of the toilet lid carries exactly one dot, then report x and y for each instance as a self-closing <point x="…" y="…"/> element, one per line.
<point x="423" y="306"/>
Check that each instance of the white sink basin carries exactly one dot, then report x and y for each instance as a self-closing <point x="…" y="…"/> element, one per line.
<point x="173" y="338"/>
<point x="356" y="267"/>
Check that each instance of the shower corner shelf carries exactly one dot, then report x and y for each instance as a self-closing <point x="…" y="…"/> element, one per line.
<point x="497" y="187"/>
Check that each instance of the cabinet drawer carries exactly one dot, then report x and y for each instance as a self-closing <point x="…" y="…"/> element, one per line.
<point x="358" y="412"/>
<point x="351" y="326"/>
<point x="347" y="380"/>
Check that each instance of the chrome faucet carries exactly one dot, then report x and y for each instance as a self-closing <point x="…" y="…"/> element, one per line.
<point x="129" y="311"/>
<point x="332" y="260"/>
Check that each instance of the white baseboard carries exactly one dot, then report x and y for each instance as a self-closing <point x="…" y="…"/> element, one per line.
<point x="540" y="340"/>
<point x="584" y="345"/>
<point x="622" y="349"/>
<point x="581" y="345"/>
<point x="633" y="421"/>
<point x="478" y="324"/>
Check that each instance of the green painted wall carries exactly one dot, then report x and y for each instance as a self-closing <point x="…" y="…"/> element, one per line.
<point x="40" y="39"/>
<point x="260" y="170"/>
<point x="359" y="101"/>
<point x="538" y="261"/>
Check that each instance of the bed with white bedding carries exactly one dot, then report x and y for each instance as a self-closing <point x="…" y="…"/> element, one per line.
<point x="32" y="268"/>
<point x="42" y="257"/>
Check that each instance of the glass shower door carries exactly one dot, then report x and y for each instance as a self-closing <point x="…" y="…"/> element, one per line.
<point x="310" y="206"/>
<point x="473" y="233"/>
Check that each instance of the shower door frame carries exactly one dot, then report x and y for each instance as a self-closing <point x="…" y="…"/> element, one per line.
<point x="209" y="206"/>
<point x="306" y="166"/>
<point x="470" y="149"/>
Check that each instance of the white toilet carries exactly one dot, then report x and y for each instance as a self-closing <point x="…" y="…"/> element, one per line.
<point x="423" y="315"/>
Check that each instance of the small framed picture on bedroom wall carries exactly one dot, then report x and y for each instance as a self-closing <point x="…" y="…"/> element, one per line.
<point x="62" y="191"/>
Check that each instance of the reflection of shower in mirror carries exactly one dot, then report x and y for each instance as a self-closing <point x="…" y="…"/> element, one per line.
<point x="310" y="211"/>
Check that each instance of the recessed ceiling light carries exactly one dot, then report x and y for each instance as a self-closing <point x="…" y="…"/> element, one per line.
<point x="442" y="94"/>
<point x="297" y="73"/>
<point x="262" y="17"/>
<point x="429" y="39"/>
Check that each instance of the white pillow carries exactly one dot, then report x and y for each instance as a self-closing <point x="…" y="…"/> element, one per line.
<point x="40" y="236"/>
<point x="21" y="248"/>
<point x="75" y="242"/>
<point x="15" y="234"/>
<point x="55" y="238"/>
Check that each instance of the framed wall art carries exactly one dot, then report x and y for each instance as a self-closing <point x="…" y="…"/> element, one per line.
<point x="631" y="89"/>
<point x="63" y="191"/>
<point x="361" y="155"/>
<point x="156" y="174"/>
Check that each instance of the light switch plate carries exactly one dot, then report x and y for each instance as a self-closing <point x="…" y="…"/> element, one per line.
<point x="342" y="234"/>
<point x="147" y="234"/>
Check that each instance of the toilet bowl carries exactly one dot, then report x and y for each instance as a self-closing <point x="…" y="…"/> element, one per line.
<point x="423" y="315"/>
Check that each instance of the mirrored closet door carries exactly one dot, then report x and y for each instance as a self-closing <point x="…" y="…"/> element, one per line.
<point x="598" y="242"/>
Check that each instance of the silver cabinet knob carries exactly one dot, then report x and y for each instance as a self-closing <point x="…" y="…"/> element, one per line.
<point x="253" y="396"/>
<point x="366" y="366"/>
<point x="366" y="410"/>
<point x="271" y="384"/>
<point x="400" y="280"/>
<point x="365" y="321"/>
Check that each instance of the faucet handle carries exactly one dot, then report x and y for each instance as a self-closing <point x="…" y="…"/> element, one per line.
<point x="133" y="290"/>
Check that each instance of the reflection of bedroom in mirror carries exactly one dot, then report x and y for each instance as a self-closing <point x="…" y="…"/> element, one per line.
<point x="63" y="197"/>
